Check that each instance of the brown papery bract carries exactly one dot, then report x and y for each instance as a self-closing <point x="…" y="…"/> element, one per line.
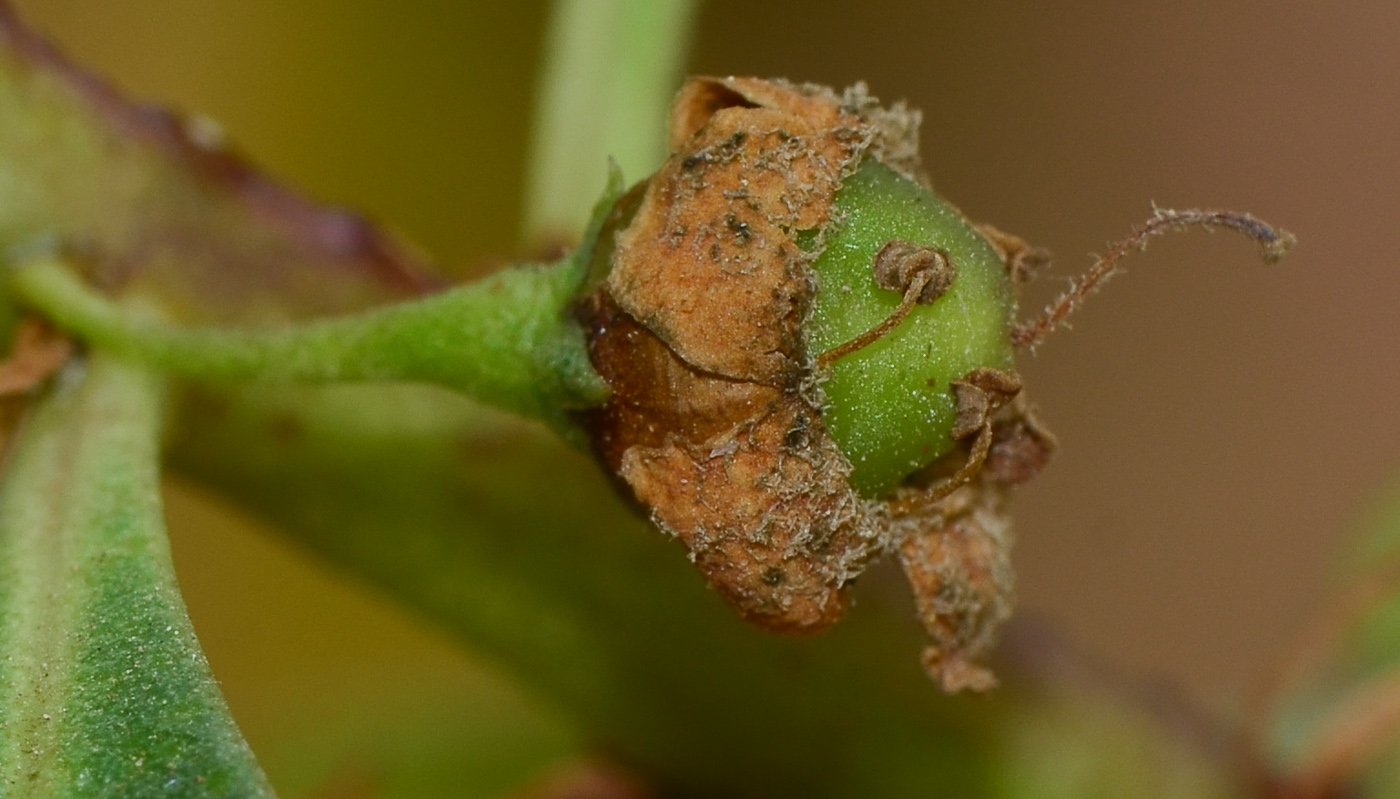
<point x="715" y="421"/>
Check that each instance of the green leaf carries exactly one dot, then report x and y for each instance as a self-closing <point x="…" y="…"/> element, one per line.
<point x="153" y="201"/>
<point x="103" y="689"/>
<point x="414" y="734"/>
<point x="610" y="69"/>
<point x="520" y="546"/>
<point x="1333" y="715"/>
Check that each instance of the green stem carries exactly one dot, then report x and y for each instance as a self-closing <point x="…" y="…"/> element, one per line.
<point x="504" y="340"/>
<point x="609" y="71"/>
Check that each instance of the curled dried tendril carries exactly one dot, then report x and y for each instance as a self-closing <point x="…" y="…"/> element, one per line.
<point x="1274" y="244"/>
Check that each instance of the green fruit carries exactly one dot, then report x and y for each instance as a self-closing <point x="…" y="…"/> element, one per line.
<point x="888" y="405"/>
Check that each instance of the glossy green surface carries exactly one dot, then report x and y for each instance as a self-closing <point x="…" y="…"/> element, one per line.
<point x="888" y="405"/>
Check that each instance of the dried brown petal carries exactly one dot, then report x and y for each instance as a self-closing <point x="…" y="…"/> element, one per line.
<point x="1023" y="260"/>
<point x="956" y="553"/>
<point x="1021" y="448"/>
<point x="959" y="567"/>
<point x="978" y="395"/>
<point x="714" y="423"/>
<point x="742" y="473"/>
<point x="37" y="352"/>
<point x="710" y="263"/>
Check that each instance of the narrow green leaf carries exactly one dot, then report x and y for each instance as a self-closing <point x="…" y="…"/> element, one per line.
<point x="103" y="689"/>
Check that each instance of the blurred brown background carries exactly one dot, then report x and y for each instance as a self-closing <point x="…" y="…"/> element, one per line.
<point x="1223" y="424"/>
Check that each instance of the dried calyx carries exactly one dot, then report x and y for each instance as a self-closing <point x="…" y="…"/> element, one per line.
<point x="810" y="365"/>
<point x="810" y="361"/>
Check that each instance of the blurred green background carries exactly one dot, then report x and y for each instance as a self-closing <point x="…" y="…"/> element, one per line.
<point x="1221" y="423"/>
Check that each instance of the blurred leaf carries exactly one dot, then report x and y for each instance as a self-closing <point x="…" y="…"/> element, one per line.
<point x="519" y="545"/>
<point x="609" y="72"/>
<point x="1076" y="730"/>
<point x="1333" y="713"/>
<point x="414" y="737"/>
<point x="148" y="200"/>
<point x="105" y="690"/>
<point x="494" y="529"/>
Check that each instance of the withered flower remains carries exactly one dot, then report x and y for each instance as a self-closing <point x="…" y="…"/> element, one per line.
<point x="734" y="344"/>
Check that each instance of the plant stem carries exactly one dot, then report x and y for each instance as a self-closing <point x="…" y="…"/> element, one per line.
<point x="504" y="340"/>
<point x="609" y="70"/>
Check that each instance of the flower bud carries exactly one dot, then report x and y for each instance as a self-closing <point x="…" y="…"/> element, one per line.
<point x="809" y="354"/>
